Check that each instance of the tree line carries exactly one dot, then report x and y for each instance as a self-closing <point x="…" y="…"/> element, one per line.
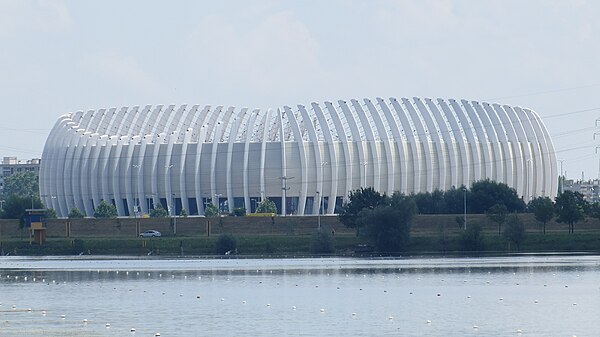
<point x="386" y="220"/>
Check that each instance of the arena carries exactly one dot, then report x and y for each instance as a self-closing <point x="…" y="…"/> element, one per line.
<point x="306" y="159"/>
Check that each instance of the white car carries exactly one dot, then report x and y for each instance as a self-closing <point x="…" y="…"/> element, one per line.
<point x="150" y="234"/>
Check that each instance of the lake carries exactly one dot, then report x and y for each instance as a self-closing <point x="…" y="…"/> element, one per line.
<point x="525" y="295"/>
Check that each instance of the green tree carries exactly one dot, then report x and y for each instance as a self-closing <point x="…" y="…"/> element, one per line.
<point x="515" y="231"/>
<point x="323" y="241"/>
<point x="486" y="193"/>
<point x="75" y="213"/>
<point x="363" y="198"/>
<point x="543" y="210"/>
<point x="388" y="226"/>
<point x="454" y="200"/>
<point x="183" y="213"/>
<point x="105" y="210"/>
<point x="211" y="211"/>
<point x="226" y="244"/>
<point x="570" y="208"/>
<point x="15" y="207"/>
<point x="472" y="240"/>
<point x="23" y="185"/>
<point x="50" y="213"/>
<point x="498" y="214"/>
<point x="266" y="206"/>
<point x="158" y="212"/>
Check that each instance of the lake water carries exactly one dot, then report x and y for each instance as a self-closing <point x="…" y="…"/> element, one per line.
<point x="493" y="296"/>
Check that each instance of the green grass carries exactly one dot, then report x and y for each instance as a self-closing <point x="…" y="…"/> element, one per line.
<point x="292" y="245"/>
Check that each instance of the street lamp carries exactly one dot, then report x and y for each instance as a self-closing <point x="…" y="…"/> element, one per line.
<point x="136" y="203"/>
<point x="174" y="214"/>
<point x="465" y="202"/>
<point x="319" y="213"/>
<point x="148" y="197"/>
<point x="284" y="188"/>
<point x="217" y="196"/>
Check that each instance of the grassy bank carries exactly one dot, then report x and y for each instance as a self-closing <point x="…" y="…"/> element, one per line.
<point x="292" y="245"/>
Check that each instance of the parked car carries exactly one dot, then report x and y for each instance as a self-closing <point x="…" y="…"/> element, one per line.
<point x="150" y="234"/>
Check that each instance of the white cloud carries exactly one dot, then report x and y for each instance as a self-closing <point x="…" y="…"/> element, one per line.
<point x="274" y="55"/>
<point x="121" y="70"/>
<point x="17" y="17"/>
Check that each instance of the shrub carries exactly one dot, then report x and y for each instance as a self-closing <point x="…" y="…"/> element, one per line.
<point x="226" y="244"/>
<point x="323" y="242"/>
<point x="211" y="211"/>
<point x="239" y="211"/>
<point x="75" y="213"/>
<point x="515" y="231"/>
<point x="472" y="239"/>
<point x="105" y="210"/>
<point x="158" y="212"/>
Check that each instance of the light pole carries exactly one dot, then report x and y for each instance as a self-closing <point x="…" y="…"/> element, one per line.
<point x="284" y="188"/>
<point x="465" y="201"/>
<point x="217" y="197"/>
<point x="562" y="178"/>
<point x="321" y="185"/>
<point x="319" y="212"/>
<point x="148" y="197"/>
<point x="251" y="200"/>
<point x="528" y="178"/>
<point x="174" y="214"/>
<point x="136" y="203"/>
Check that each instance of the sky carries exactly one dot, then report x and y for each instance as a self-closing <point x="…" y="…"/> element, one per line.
<point x="59" y="56"/>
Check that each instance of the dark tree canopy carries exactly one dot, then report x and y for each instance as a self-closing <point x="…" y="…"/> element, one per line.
<point x="15" y="206"/>
<point x="364" y="198"/>
<point x="570" y="208"/>
<point x="543" y="210"/>
<point x="23" y="184"/>
<point x="388" y="226"/>
<point x="486" y="193"/>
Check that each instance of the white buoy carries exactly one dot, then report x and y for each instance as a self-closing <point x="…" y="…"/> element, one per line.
<point x="353" y="314"/>
<point x="293" y="307"/>
<point x="428" y="321"/>
<point x="475" y="327"/>
<point x="519" y="331"/>
<point x="322" y="310"/>
<point x="243" y="302"/>
<point x="132" y="330"/>
<point x="535" y="301"/>
<point x="62" y="316"/>
<point x="44" y="312"/>
<point x="501" y="299"/>
<point x="157" y="334"/>
<point x="390" y="318"/>
<point x="85" y="320"/>
<point x="268" y="304"/>
<point x="107" y="325"/>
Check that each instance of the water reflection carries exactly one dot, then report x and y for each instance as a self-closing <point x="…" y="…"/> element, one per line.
<point x="539" y="295"/>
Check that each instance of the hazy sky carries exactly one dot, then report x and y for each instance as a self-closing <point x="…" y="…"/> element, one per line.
<point x="63" y="56"/>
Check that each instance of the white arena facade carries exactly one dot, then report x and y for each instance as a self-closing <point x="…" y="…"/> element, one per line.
<point x="184" y="157"/>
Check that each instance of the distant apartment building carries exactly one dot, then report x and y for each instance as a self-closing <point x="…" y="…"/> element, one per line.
<point x="590" y="189"/>
<point x="11" y="165"/>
